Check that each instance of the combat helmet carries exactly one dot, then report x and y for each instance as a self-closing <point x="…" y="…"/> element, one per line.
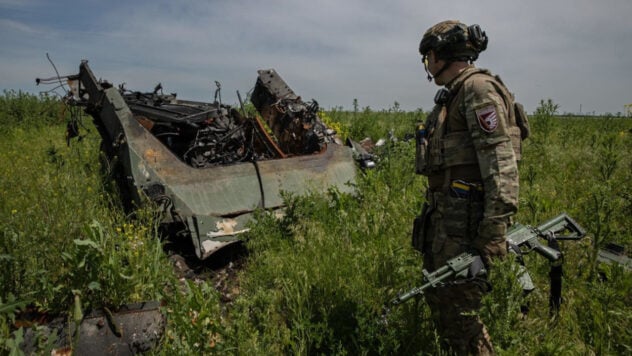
<point x="454" y="41"/>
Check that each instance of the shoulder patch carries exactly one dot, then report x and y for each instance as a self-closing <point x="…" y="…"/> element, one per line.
<point x="487" y="118"/>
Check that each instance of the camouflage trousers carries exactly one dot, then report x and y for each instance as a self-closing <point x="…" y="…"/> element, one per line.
<point x="455" y="306"/>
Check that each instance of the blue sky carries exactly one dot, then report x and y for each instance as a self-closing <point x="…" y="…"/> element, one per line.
<point x="576" y="52"/>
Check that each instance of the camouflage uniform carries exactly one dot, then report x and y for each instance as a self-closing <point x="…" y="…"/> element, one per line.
<point x="469" y="155"/>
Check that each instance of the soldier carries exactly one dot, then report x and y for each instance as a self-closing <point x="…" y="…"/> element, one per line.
<point x="468" y="148"/>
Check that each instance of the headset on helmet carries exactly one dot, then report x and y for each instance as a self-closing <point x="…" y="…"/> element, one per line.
<point x="453" y="40"/>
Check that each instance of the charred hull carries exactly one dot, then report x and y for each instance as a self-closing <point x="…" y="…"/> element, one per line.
<point x="206" y="165"/>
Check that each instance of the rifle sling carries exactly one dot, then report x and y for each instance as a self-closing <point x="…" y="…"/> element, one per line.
<point x="555" y="276"/>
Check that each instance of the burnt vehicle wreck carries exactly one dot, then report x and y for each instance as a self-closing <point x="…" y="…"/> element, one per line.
<point x="209" y="166"/>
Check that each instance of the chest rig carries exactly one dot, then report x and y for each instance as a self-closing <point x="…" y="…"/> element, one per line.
<point x="444" y="143"/>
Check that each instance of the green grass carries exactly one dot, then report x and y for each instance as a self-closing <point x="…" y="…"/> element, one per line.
<point x="315" y="281"/>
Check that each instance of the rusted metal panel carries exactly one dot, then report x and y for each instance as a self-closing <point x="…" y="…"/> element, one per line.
<point x="134" y="328"/>
<point x="208" y="166"/>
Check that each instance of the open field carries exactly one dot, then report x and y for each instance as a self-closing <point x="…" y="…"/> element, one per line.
<point x="315" y="281"/>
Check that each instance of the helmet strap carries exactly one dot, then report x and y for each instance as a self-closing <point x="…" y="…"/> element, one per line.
<point x="424" y="60"/>
<point x="445" y="66"/>
<point x="428" y="75"/>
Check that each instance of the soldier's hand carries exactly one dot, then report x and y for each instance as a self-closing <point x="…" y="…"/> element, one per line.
<point x="491" y="242"/>
<point x="496" y="248"/>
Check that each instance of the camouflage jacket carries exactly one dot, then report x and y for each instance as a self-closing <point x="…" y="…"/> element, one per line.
<point x="473" y="137"/>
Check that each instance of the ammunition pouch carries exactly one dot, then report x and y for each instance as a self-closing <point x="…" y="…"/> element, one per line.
<point x="462" y="215"/>
<point x="459" y="217"/>
<point x="420" y="240"/>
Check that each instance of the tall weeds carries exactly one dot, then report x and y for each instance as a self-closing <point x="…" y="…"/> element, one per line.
<point x="316" y="280"/>
<point x="62" y="241"/>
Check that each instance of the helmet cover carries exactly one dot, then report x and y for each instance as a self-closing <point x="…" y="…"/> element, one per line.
<point x="453" y="40"/>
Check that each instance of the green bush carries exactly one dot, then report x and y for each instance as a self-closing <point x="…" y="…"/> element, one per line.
<point x="28" y="110"/>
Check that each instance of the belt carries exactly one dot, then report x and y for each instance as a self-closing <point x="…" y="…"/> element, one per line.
<point x="468" y="173"/>
<point x="465" y="190"/>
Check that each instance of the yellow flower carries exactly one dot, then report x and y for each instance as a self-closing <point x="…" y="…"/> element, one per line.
<point x="13" y="211"/>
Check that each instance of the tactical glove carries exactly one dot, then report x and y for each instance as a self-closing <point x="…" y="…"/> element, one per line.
<point x="490" y="242"/>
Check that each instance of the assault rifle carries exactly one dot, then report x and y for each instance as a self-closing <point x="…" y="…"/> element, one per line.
<point x="521" y="239"/>
<point x="462" y="266"/>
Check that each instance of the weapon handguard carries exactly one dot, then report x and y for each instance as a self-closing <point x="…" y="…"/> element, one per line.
<point x="458" y="266"/>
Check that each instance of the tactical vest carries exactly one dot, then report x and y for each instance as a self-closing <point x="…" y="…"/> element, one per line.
<point x="444" y="141"/>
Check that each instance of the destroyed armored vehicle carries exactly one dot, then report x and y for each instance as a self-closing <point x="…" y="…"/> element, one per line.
<point x="209" y="166"/>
